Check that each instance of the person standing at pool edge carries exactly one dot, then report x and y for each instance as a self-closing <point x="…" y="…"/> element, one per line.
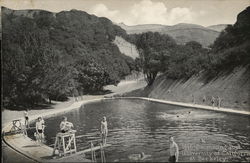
<point x="26" y="117"/>
<point x="40" y="129"/>
<point x="174" y="150"/>
<point x="104" y="130"/>
<point x="213" y="101"/>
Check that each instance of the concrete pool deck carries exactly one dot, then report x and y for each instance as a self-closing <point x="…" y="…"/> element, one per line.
<point x="42" y="153"/>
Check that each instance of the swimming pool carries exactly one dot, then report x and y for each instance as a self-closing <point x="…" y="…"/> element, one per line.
<point x="142" y="126"/>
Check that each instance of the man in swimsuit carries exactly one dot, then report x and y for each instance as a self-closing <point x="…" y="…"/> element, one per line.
<point x="204" y="99"/>
<point x="40" y="129"/>
<point x="65" y="126"/>
<point x="26" y="117"/>
<point x="213" y="101"/>
<point x="174" y="150"/>
<point x="104" y="130"/>
<point x="193" y="99"/>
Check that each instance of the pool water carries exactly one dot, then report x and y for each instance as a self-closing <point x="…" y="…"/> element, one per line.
<point x="142" y="126"/>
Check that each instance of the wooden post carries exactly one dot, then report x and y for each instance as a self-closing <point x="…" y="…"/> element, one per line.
<point x="65" y="143"/>
<point x="55" y="146"/>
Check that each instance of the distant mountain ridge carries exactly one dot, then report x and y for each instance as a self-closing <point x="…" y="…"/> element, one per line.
<point x="218" y="27"/>
<point x="182" y="32"/>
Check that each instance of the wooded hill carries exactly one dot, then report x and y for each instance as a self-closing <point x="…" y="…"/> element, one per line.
<point x="54" y="55"/>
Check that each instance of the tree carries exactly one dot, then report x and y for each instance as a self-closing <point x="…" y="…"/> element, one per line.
<point x="153" y="51"/>
<point x="187" y="60"/>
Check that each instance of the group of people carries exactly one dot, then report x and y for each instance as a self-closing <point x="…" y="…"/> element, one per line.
<point x="65" y="126"/>
<point x="214" y="101"/>
<point x="40" y="126"/>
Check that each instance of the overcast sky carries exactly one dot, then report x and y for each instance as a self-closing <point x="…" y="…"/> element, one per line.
<point x="133" y="12"/>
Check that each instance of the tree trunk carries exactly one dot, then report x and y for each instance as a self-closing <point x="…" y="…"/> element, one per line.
<point x="150" y="77"/>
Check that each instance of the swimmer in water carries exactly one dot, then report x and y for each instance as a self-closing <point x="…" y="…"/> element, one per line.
<point x="202" y="140"/>
<point x="138" y="157"/>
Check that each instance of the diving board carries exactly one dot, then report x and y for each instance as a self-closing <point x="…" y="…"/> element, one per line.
<point x="94" y="148"/>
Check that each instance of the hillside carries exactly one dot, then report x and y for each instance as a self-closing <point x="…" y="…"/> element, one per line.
<point x="232" y="47"/>
<point x="218" y="27"/>
<point x="225" y="75"/>
<point x="233" y="89"/>
<point x="53" y="55"/>
<point x="182" y="32"/>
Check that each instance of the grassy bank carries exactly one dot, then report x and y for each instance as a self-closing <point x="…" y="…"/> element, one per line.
<point x="233" y="88"/>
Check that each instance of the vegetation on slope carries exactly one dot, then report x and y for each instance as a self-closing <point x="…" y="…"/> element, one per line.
<point x="160" y="53"/>
<point x="232" y="48"/>
<point x="53" y="55"/>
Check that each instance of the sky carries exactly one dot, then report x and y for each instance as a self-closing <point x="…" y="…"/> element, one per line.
<point x="134" y="12"/>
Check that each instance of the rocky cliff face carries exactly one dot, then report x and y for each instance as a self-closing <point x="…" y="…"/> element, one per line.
<point x="126" y="47"/>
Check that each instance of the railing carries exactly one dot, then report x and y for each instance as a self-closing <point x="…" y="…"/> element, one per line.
<point x="93" y="156"/>
<point x="102" y="154"/>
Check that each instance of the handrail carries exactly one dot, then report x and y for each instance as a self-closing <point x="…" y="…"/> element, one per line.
<point x="93" y="152"/>
<point x="102" y="154"/>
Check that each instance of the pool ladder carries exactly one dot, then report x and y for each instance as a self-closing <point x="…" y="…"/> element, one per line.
<point x="102" y="153"/>
<point x="93" y="155"/>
